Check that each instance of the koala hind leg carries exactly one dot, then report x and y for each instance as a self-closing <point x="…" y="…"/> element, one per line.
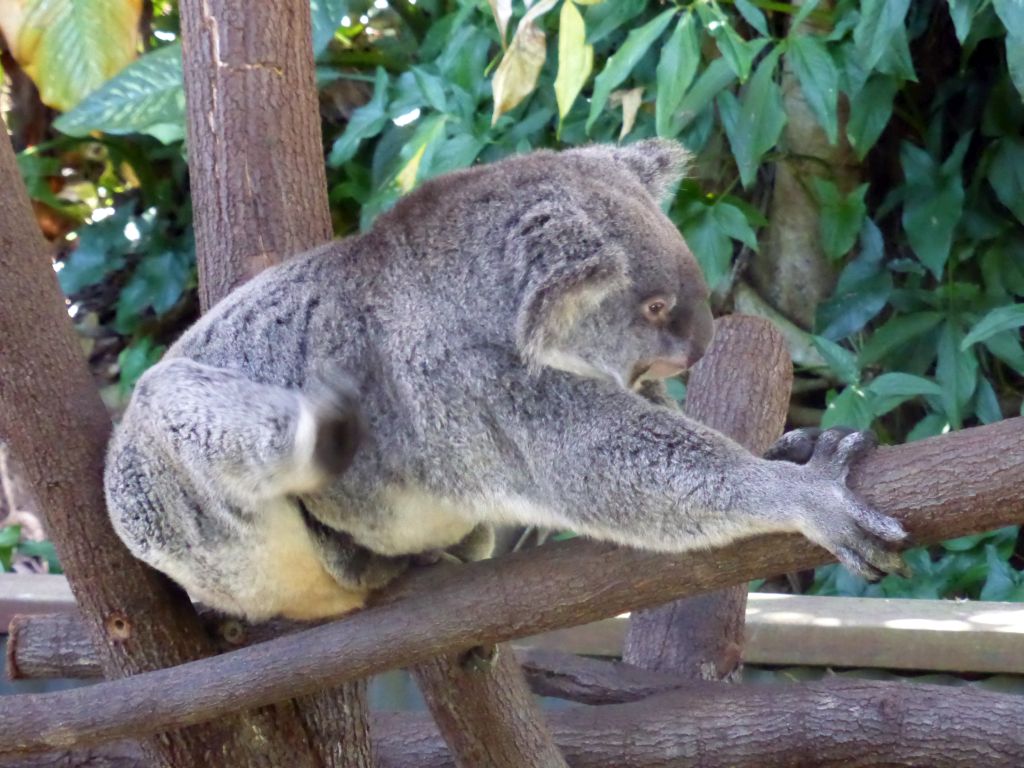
<point x="257" y="441"/>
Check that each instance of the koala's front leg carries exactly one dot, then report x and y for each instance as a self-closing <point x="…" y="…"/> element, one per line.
<point x="615" y="467"/>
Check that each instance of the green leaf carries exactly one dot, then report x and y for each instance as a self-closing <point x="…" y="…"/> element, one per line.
<point x="998" y="320"/>
<point x="44" y="550"/>
<point x="621" y="63"/>
<point x="903" y="385"/>
<point x="1003" y="581"/>
<point x="957" y="373"/>
<point x="1011" y="13"/>
<point x="841" y="361"/>
<point x="895" y="333"/>
<point x="754" y="123"/>
<point x="366" y="122"/>
<point x="70" y="47"/>
<point x="100" y="250"/>
<point x="986" y="403"/>
<point x="734" y="49"/>
<point x="135" y="360"/>
<point x="848" y="409"/>
<point x="709" y="242"/>
<point x="753" y="16"/>
<point x="1006" y="174"/>
<point x="806" y="9"/>
<point x="933" y="203"/>
<point x="680" y="57"/>
<point x="879" y="21"/>
<point x="147" y="96"/>
<point x="1015" y="58"/>
<point x="841" y="216"/>
<point x="716" y="77"/>
<point x="862" y="291"/>
<point x="158" y="282"/>
<point x="604" y="19"/>
<point x="819" y="80"/>
<point x="963" y="12"/>
<point x="327" y="16"/>
<point x="870" y="111"/>
<point x="575" y="58"/>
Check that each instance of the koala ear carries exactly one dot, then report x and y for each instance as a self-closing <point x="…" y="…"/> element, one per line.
<point x="564" y="269"/>
<point x="659" y="164"/>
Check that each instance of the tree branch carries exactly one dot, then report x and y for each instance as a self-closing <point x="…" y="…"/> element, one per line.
<point x="836" y="723"/>
<point x="741" y="388"/>
<point x="947" y="486"/>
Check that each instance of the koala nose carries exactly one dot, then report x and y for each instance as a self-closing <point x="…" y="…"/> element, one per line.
<point x="694" y="327"/>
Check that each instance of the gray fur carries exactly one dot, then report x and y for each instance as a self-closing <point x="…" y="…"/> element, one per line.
<point x="485" y="340"/>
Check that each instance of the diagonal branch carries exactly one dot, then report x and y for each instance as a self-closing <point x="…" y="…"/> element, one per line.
<point x="943" y="487"/>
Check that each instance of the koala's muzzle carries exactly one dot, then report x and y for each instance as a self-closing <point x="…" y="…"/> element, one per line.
<point x="692" y="328"/>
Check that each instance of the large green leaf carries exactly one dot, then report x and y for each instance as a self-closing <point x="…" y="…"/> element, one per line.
<point x="677" y="67"/>
<point x="841" y="216"/>
<point x="998" y="320"/>
<point x="1006" y="174"/>
<point x="621" y="63"/>
<point x="147" y="96"/>
<point x="880" y="21"/>
<point x="903" y="385"/>
<point x="819" y="80"/>
<point x="734" y="49"/>
<point x="870" y="110"/>
<point x="850" y="408"/>
<point x="70" y="47"/>
<point x="895" y="333"/>
<point x="863" y="288"/>
<point x="716" y="77"/>
<point x="366" y="122"/>
<point x="575" y="57"/>
<point x="956" y="371"/>
<point x="933" y="204"/>
<point x="754" y="123"/>
<point x="327" y="16"/>
<point x="709" y="231"/>
<point x="841" y="361"/>
<point x="963" y="12"/>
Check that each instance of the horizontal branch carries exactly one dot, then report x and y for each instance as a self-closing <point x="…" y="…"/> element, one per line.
<point x="943" y="487"/>
<point x="830" y="724"/>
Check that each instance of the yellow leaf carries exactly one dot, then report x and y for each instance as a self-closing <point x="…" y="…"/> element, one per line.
<point x="70" y="47"/>
<point x="502" y="10"/>
<point x="575" y="57"/>
<point x="631" y="100"/>
<point x="517" y="74"/>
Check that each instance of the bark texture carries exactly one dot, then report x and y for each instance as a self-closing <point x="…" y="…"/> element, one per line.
<point x="259" y="188"/>
<point x="488" y="715"/>
<point x="831" y="724"/>
<point x="940" y="488"/>
<point x="740" y="388"/>
<point x="259" y="192"/>
<point x="52" y="418"/>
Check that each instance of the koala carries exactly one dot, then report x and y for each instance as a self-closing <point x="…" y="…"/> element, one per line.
<point x="489" y="353"/>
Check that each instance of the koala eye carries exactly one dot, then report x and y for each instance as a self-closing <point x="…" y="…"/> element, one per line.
<point x="656" y="309"/>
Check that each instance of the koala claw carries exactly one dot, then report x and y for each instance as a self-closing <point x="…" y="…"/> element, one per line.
<point x="862" y="538"/>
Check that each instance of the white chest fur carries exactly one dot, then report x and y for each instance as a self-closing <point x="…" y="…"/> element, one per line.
<point x="418" y="521"/>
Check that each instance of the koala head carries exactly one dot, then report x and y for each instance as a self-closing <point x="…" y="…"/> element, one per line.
<point x="612" y="289"/>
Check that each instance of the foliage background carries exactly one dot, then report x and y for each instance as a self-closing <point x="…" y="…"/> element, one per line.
<point x="858" y="177"/>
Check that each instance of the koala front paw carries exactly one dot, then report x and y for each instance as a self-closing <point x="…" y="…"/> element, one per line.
<point x="797" y="446"/>
<point x="862" y="538"/>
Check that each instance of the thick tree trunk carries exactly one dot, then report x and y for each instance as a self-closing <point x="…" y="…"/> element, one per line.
<point x="259" y="192"/>
<point x="259" y="187"/>
<point x="741" y="388"/>
<point x="943" y="487"/>
<point x="488" y="715"/>
<point x="830" y="724"/>
<point x="56" y="425"/>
